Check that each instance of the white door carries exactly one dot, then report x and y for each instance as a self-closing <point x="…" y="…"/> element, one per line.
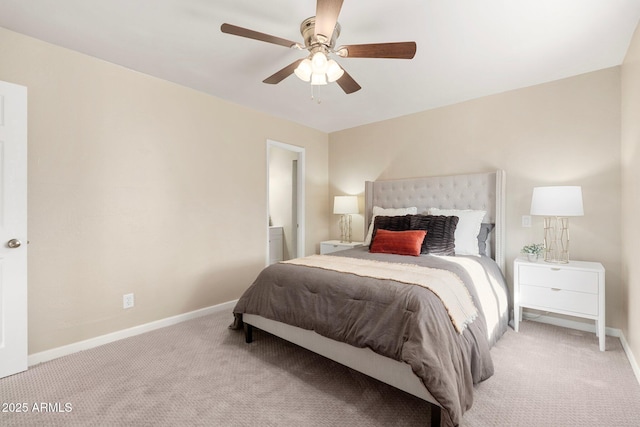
<point x="13" y="229"/>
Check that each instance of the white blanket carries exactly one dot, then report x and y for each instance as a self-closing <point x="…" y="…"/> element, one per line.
<point x="445" y="284"/>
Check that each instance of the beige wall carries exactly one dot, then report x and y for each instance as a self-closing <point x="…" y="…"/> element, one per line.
<point x="140" y="185"/>
<point x="631" y="191"/>
<point x="565" y="132"/>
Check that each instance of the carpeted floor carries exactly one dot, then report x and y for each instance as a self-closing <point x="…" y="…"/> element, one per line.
<point x="200" y="373"/>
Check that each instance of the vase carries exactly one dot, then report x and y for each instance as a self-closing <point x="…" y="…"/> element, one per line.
<point x="532" y="257"/>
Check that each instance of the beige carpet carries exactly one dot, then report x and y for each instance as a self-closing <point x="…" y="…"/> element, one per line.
<point x="201" y="373"/>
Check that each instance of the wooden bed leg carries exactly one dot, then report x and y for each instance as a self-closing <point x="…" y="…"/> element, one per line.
<point x="436" y="413"/>
<point x="248" y="333"/>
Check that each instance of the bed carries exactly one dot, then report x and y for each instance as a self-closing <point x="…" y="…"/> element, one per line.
<point x="373" y="313"/>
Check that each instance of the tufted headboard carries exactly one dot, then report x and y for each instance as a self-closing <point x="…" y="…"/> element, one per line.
<point x="484" y="191"/>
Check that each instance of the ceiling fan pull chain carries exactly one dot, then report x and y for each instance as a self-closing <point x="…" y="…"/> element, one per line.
<point x="315" y="93"/>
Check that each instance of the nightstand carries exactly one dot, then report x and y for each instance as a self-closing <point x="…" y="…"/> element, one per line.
<point x="574" y="289"/>
<point x="336" y="245"/>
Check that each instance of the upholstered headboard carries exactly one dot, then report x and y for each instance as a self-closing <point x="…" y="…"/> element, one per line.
<point x="481" y="191"/>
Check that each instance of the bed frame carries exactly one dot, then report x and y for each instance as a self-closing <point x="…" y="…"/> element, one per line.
<point x="484" y="191"/>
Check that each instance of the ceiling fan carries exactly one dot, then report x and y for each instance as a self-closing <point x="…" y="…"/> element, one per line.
<point x="320" y="33"/>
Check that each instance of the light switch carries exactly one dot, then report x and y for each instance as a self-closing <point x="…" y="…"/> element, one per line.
<point x="526" y="221"/>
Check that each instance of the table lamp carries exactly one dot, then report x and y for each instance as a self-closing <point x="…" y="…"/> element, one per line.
<point x="556" y="204"/>
<point x="345" y="206"/>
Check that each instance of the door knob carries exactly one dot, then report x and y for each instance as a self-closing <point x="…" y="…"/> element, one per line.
<point x="14" y="243"/>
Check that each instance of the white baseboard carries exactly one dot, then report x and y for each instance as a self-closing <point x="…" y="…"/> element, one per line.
<point x="587" y="327"/>
<point x="630" y="356"/>
<point x="568" y="323"/>
<point x="54" y="353"/>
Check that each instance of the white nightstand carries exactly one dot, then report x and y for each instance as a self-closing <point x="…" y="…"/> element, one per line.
<point x="336" y="245"/>
<point x="575" y="289"/>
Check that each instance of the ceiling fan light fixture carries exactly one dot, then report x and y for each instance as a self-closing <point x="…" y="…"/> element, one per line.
<point x="318" y="69"/>
<point x="318" y="79"/>
<point x="334" y="72"/>
<point x="304" y="70"/>
<point x="319" y="62"/>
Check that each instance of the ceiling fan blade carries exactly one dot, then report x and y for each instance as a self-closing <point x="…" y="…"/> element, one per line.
<point x="250" y="34"/>
<point x="347" y="83"/>
<point x="399" y="50"/>
<point x="282" y="74"/>
<point x="327" y="12"/>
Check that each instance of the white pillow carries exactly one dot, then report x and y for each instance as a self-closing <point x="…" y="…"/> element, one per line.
<point x="467" y="230"/>
<point x="378" y="211"/>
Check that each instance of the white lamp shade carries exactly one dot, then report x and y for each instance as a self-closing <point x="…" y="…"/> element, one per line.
<point x="345" y="205"/>
<point x="334" y="72"/>
<point x="557" y="201"/>
<point x="318" y="79"/>
<point x="318" y="69"/>
<point x="303" y="70"/>
<point x="319" y="63"/>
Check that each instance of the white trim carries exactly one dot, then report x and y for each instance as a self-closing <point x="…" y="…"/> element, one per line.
<point x="66" y="350"/>
<point x="54" y="353"/>
<point x="587" y="327"/>
<point x="500" y="220"/>
<point x="632" y="360"/>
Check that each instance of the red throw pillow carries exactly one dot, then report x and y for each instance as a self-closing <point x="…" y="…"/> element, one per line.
<point x="398" y="242"/>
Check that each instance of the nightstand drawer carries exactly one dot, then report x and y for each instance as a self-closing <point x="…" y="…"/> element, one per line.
<point x="559" y="299"/>
<point x="559" y="278"/>
<point x="336" y="245"/>
<point x="327" y="248"/>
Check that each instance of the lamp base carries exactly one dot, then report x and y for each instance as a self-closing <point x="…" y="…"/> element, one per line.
<point x="556" y="240"/>
<point x="345" y="228"/>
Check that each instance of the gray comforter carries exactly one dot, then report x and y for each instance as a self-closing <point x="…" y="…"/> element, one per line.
<point x="403" y="322"/>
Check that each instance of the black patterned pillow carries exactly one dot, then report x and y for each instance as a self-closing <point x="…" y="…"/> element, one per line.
<point x="392" y="223"/>
<point x="441" y="229"/>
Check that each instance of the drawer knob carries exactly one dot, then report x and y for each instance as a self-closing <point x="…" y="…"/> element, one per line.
<point x="556" y="289"/>
<point x="555" y="269"/>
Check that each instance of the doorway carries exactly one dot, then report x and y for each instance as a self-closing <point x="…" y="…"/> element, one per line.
<point x="285" y="201"/>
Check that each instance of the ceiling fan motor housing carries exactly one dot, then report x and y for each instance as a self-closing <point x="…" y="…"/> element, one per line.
<point x="308" y="29"/>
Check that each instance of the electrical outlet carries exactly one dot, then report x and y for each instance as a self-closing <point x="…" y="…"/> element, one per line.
<point x="526" y="221"/>
<point x="127" y="301"/>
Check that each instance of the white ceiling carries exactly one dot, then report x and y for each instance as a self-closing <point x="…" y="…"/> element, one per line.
<point x="466" y="48"/>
